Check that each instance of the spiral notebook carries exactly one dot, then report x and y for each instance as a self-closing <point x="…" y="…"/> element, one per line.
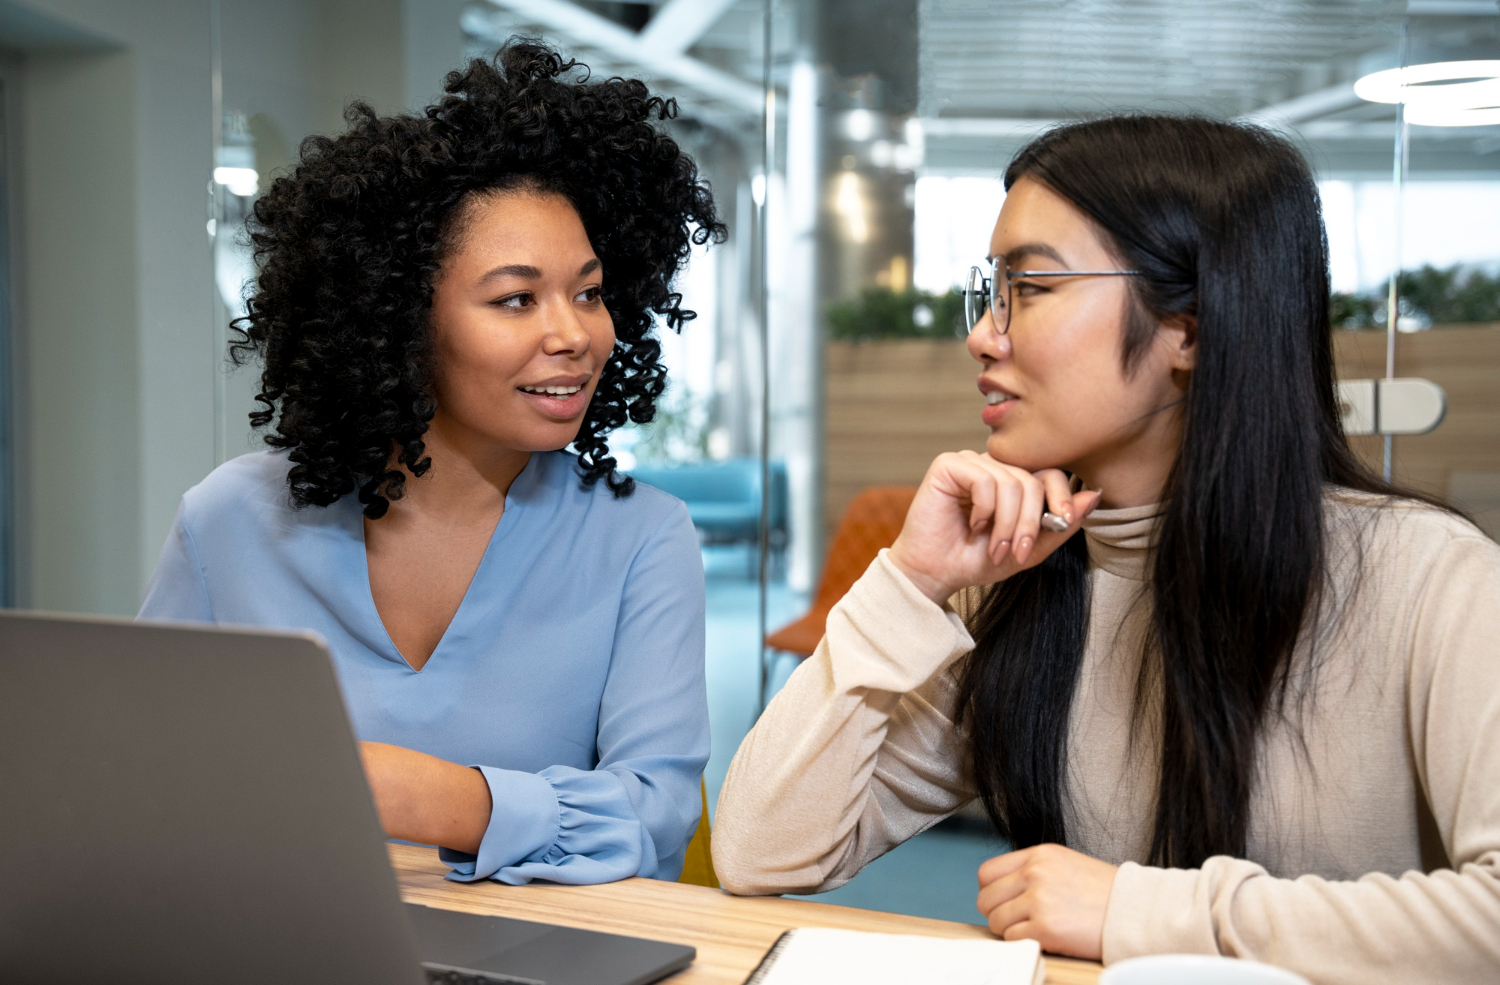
<point x="817" y="956"/>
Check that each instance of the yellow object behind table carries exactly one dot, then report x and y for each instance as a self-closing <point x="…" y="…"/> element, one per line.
<point x="698" y="867"/>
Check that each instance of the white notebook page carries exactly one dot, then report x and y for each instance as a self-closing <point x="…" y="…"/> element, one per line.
<point x="815" y="956"/>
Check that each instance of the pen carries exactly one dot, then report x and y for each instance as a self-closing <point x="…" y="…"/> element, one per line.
<point x="1053" y="522"/>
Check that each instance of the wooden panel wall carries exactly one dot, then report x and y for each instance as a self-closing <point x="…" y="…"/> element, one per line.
<point x="892" y="406"/>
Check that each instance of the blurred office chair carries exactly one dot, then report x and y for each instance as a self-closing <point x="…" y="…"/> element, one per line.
<point x="698" y="866"/>
<point x="872" y="521"/>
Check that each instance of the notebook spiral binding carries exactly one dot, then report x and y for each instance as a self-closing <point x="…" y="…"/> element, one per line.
<point x="763" y="969"/>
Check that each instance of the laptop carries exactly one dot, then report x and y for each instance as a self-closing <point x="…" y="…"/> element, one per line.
<point x="182" y="804"/>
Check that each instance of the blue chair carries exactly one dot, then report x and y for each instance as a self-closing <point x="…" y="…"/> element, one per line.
<point x="724" y="498"/>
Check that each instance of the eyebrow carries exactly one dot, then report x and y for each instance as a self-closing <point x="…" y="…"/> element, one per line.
<point x="514" y="270"/>
<point x="1033" y="250"/>
<point x="528" y="272"/>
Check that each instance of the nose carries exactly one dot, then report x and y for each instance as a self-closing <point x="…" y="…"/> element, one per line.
<point x="985" y="344"/>
<point x="566" y="335"/>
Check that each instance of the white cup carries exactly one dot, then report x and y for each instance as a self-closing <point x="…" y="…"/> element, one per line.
<point x="1195" y="969"/>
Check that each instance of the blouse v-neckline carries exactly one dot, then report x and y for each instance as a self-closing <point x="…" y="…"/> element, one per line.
<point x="380" y="633"/>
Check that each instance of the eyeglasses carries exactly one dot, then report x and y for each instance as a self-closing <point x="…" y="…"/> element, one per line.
<point x="994" y="291"/>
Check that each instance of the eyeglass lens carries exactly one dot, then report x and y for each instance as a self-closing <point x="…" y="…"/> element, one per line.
<point x="991" y="292"/>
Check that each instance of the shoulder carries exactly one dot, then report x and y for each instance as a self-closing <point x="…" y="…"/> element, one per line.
<point x="1397" y="519"/>
<point x="646" y="510"/>
<point x="254" y="481"/>
<point x="1404" y="541"/>
<point x="245" y="494"/>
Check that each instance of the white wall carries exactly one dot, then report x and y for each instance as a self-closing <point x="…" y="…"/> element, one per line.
<point x="112" y="261"/>
<point x="82" y="476"/>
<point x="116" y="322"/>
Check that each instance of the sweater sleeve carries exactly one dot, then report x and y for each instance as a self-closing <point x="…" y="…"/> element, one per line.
<point x="1440" y="926"/>
<point x="857" y="752"/>
<point x="635" y="812"/>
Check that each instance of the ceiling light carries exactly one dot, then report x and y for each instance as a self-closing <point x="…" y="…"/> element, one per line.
<point x="1439" y="116"/>
<point x="1439" y="94"/>
<point x="859" y="124"/>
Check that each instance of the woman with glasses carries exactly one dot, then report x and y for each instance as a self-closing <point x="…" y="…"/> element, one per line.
<point x="1222" y="688"/>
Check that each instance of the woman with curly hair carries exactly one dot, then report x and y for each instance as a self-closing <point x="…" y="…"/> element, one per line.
<point x="445" y="302"/>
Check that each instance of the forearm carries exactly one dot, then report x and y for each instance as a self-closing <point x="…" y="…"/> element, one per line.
<point x="1442" y="926"/>
<point x="425" y="799"/>
<point x="851" y="758"/>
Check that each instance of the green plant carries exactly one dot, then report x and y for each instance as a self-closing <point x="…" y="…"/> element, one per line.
<point x="678" y="432"/>
<point x="1453" y="295"/>
<point x="1351" y="310"/>
<point x="880" y="313"/>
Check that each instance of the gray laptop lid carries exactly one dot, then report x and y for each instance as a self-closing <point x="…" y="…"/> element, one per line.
<point x="185" y="804"/>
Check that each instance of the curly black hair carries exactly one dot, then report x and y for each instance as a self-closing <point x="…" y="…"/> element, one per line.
<point x="348" y="245"/>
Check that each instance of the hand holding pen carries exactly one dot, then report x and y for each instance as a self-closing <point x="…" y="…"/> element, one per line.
<point x="976" y="521"/>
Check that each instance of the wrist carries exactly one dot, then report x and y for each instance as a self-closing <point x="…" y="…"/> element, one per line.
<point x="932" y="587"/>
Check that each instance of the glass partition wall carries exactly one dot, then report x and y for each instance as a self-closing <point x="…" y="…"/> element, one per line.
<point x="855" y="148"/>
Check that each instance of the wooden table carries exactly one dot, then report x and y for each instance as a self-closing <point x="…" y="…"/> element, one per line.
<point x="730" y="932"/>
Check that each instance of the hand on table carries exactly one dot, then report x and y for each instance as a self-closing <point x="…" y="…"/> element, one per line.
<point x="976" y="521"/>
<point x="425" y="799"/>
<point x="1049" y="894"/>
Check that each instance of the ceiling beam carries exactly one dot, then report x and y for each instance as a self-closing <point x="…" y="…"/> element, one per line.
<point x="982" y="126"/>
<point x="679" y="24"/>
<point x="1309" y="106"/>
<point x="995" y="127"/>
<point x="586" y="29"/>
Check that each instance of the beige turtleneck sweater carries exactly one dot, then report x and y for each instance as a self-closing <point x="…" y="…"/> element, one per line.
<point x="1374" y="845"/>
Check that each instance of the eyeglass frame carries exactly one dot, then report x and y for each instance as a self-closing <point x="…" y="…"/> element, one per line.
<point x="988" y="288"/>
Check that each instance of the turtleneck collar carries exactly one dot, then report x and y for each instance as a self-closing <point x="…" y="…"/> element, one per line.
<point x="1120" y="541"/>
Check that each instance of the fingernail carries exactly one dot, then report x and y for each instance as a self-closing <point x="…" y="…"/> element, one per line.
<point x="1023" y="548"/>
<point x="1055" y="523"/>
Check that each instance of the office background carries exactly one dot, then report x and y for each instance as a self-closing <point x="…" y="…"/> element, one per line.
<point x="855" y="148"/>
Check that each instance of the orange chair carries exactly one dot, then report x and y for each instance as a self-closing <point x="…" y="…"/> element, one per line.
<point x="871" y="522"/>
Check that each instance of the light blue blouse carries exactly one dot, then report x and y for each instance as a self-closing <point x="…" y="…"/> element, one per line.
<point x="571" y="675"/>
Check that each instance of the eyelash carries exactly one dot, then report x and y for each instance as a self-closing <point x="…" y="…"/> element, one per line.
<point x="590" y="295"/>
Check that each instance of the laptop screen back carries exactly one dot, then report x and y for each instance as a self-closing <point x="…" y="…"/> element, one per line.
<point x="266" y="865"/>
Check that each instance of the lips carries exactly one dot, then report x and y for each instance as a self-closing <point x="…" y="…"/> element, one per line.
<point x="998" y="402"/>
<point x="560" y="397"/>
<point x="552" y="391"/>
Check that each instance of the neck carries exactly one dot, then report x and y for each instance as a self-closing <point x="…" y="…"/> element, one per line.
<point x="1134" y="471"/>
<point x="470" y="475"/>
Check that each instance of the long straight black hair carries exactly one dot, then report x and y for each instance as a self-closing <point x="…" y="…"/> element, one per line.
<point x="1222" y="220"/>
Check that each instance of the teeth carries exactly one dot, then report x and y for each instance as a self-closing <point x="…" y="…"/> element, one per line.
<point x="553" y="391"/>
<point x="995" y="397"/>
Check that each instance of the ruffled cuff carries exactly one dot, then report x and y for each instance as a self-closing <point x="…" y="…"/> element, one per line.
<point x="562" y="825"/>
<point x="523" y="823"/>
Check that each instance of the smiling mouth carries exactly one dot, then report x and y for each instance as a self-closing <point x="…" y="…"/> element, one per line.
<point x="552" y="391"/>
